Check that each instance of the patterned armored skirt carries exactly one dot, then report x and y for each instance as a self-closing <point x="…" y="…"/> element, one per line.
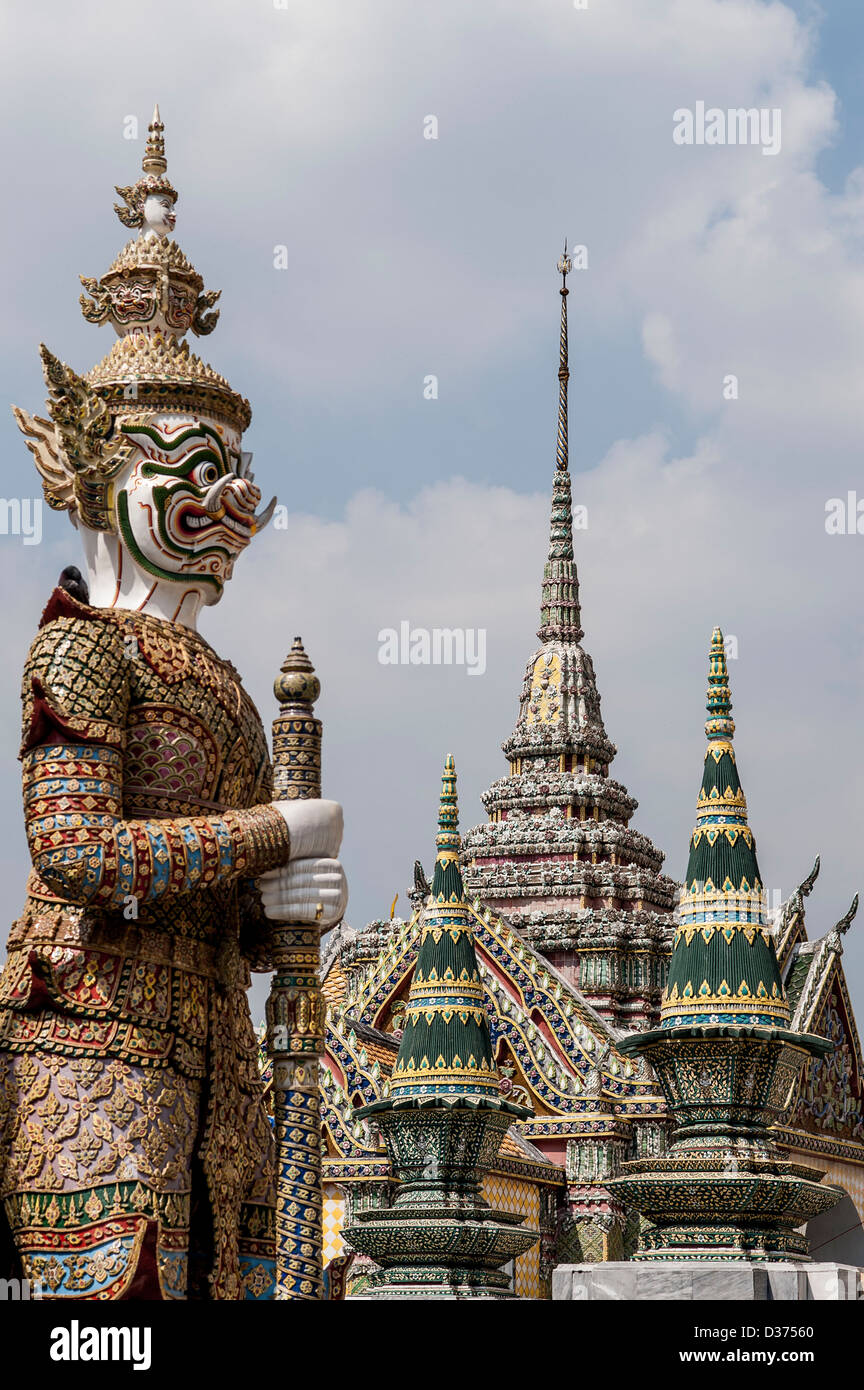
<point x="127" y="1177"/>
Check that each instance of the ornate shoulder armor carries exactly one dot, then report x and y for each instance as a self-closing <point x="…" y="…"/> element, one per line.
<point x="76" y="678"/>
<point x="76" y="698"/>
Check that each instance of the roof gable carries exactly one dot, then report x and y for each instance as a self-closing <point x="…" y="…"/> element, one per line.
<point x="563" y="1049"/>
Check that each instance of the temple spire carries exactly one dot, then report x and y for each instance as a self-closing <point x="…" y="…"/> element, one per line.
<point x="442" y="1116"/>
<point x="558" y="792"/>
<point x="559" y="610"/>
<point x="564" y="266"/>
<point x="724" y="966"/>
<point x="447" y="877"/>
<point x="719" y="701"/>
<point x="446" y="1048"/>
<point x="725" y="1056"/>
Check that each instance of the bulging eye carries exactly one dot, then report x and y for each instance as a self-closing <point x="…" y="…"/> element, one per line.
<point x="205" y="475"/>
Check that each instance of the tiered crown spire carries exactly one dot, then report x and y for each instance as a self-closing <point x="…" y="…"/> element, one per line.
<point x="152" y="296"/>
<point x="154" y="177"/>
<point x="724" y="965"/>
<point x="446" y="1048"/>
<point x="154" y="161"/>
<point x="560" y="618"/>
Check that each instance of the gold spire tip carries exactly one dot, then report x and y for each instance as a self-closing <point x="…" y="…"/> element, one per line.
<point x="719" y="702"/>
<point x="154" y="161"/>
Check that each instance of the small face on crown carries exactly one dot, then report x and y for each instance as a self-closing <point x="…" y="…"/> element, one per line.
<point x="159" y="217"/>
<point x="187" y="507"/>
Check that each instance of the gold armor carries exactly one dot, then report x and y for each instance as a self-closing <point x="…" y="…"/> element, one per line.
<point x="138" y="1157"/>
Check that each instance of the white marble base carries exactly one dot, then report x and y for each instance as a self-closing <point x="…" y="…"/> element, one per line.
<point x="697" y="1280"/>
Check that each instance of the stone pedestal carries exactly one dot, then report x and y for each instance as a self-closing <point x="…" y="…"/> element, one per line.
<point x="723" y="1189"/>
<point x="706" y="1281"/>
<point x="440" y="1238"/>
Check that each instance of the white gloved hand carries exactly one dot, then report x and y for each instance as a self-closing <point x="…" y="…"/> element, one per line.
<point x="315" y="827"/>
<point x="294" y="893"/>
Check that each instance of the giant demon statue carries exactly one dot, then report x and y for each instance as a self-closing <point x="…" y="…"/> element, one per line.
<point x="135" y="1153"/>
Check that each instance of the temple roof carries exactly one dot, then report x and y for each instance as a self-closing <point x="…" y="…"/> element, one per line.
<point x="357" y="1064"/>
<point x="561" y="1055"/>
<point x="561" y="1048"/>
<point x="724" y="964"/>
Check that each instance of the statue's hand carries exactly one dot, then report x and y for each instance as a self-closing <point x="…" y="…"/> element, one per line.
<point x="315" y="827"/>
<point x="313" y="876"/>
<point x="306" y="890"/>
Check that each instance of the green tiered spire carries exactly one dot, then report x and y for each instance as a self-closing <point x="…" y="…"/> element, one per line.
<point x="724" y="1054"/>
<point x="446" y="1048"/>
<point x="724" y="966"/>
<point x="443" y="1119"/>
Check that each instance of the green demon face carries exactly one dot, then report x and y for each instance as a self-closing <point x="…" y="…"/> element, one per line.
<point x="187" y="507"/>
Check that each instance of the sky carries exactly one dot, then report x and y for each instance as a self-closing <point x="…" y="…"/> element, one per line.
<point x="301" y="125"/>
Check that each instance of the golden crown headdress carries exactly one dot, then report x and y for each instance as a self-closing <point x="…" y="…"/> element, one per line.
<point x="152" y="296"/>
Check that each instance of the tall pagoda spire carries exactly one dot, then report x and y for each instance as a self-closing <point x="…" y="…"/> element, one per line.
<point x="446" y="1048"/>
<point x="559" y="608"/>
<point x="724" y="965"/>
<point x="558" y="856"/>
